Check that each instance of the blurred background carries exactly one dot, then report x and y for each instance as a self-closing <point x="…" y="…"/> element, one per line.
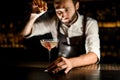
<point x="15" y="14"/>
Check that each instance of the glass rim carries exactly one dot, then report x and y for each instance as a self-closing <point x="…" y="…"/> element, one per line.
<point x="56" y="40"/>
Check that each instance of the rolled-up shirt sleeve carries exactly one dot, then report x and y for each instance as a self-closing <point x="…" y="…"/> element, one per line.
<point x="92" y="38"/>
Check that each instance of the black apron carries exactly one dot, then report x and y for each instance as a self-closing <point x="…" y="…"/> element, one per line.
<point x="76" y="46"/>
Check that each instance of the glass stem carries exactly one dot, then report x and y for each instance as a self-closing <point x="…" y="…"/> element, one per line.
<point x="49" y="56"/>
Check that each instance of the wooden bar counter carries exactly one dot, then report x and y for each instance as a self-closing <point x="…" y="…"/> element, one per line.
<point x="35" y="71"/>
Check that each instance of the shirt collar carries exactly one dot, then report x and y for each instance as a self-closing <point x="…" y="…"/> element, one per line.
<point x="79" y="21"/>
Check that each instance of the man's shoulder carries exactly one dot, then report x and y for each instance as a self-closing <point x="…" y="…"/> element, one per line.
<point x="91" y="18"/>
<point x="88" y="18"/>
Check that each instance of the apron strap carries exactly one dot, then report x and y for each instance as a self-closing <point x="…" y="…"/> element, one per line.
<point x="83" y="22"/>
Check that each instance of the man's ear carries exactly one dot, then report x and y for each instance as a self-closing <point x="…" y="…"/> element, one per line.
<point x="77" y="5"/>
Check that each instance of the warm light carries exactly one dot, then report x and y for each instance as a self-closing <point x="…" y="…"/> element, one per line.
<point x="109" y="24"/>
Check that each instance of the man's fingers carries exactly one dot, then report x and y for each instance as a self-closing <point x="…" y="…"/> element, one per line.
<point x="59" y="68"/>
<point x="53" y="64"/>
<point x="67" y="70"/>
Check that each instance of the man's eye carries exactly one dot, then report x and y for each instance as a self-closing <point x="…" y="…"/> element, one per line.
<point x="59" y="12"/>
<point x="66" y="10"/>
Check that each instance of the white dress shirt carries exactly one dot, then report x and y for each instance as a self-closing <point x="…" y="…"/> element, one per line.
<point x="92" y="43"/>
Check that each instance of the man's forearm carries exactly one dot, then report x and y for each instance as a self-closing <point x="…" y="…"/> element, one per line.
<point x="28" y="28"/>
<point x="84" y="59"/>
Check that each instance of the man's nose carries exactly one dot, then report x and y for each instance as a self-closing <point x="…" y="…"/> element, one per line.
<point x="64" y="14"/>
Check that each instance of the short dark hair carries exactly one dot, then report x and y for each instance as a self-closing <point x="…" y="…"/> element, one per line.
<point x="75" y="1"/>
